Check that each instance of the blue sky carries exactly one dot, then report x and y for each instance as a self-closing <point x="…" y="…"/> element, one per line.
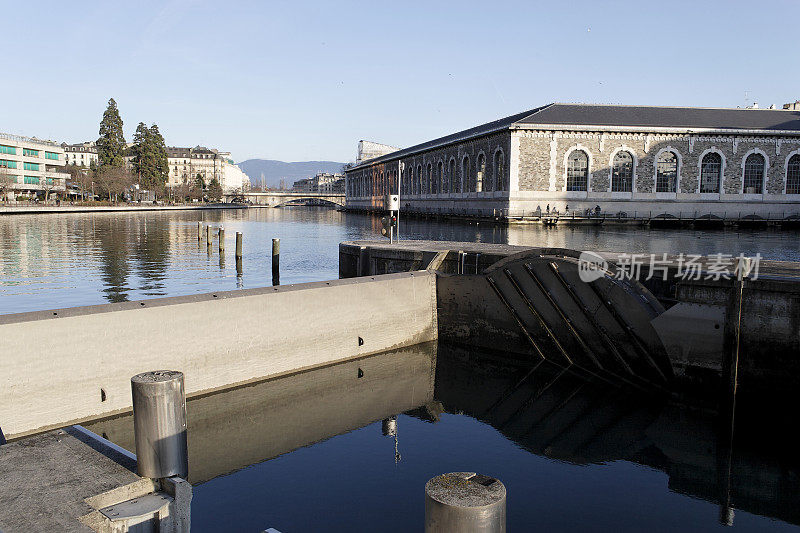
<point x="307" y="80"/>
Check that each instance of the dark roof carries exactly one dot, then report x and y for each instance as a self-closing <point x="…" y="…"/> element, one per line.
<point x="619" y="116"/>
<point x="665" y="117"/>
<point x="477" y="131"/>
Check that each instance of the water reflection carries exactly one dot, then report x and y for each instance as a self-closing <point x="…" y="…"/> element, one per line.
<point x="237" y="428"/>
<point x="50" y="261"/>
<point x="562" y="415"/>
<point x="553" y="436"/>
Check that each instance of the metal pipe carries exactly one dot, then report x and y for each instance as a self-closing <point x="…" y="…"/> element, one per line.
<point x="159" y="424"/>
<point x="239" y="244"/>
<point x="276" y="261"/>
<point x="465" y="502"/>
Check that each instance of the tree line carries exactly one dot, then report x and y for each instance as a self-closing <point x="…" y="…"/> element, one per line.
<point x="113" y="180"/>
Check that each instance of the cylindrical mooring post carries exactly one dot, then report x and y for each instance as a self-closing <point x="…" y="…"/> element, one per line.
<point x="465" y="502"/>
<point x="238" y="244"/>
<point x="221" y="239"/>
<point x="209" y="240"/>
<point x="159" y="424"/>
<point x="276" y="261"/>
<point x="199" y="231"/>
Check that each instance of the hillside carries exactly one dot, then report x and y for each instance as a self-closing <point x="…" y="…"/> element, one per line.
<point x="273" y="170"/>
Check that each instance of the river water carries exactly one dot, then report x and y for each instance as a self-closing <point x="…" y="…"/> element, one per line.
<point x="311" y="452"/>
<point x="55" y="261"/>
<point x="307" y="452"/>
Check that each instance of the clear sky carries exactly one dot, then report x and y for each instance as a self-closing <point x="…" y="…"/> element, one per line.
<point x="306" y="80"/>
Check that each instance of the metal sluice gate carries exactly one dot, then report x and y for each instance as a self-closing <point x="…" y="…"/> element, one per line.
<point x="601" y="327"/>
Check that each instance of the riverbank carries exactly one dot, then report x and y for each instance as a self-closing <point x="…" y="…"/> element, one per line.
<point x="41" y="209"/>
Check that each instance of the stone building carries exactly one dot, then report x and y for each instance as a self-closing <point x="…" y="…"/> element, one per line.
<point x="322" y="182"/>
<point x="81" y="154"/>
<point x="186" y="164"/>
<point x="630" y="161"/>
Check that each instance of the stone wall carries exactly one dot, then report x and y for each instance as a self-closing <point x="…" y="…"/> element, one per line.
<point x="543" y="157"/>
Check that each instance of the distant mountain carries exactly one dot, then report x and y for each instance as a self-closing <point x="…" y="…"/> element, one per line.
<point x="273" y="170"/>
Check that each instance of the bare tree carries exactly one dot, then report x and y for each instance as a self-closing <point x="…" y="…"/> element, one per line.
<point x="113" y="181"/>
<point x="6" y="183"/>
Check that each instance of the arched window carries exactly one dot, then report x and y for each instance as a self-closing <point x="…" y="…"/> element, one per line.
<point x="466" y="176"/>
<point x="622" y="172"/>
<point x="429" y="182"/>
<point x="577" y="171"/>
<point x="418" y="180"/>
<point x="710" y="172"/>
<point x="793" y="175"/>
<point x="667" y="172"/>
<point x="753" y="174"/>
<point x="499" y="180"/>
<point x="481" y="173"/>
<point x="451" y="173"/>
<point x="440" y="183"/>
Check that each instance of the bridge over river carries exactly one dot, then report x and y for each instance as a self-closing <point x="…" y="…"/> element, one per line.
<point x="283" y="198"/>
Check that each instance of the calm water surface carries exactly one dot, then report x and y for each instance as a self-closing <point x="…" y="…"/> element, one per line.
<point x="307" y="452"/>
<point x="55" y="261"/>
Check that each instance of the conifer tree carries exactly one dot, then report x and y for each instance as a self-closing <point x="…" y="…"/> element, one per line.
<point x="159" y="155"/>
<point x="111" y="143"/>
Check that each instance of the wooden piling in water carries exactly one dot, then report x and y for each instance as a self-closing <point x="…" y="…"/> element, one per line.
<point x="221" y="239"/>
<point x="276" y="261"/>
<point x="238" y="244"/>
<point x="199" y="231"/>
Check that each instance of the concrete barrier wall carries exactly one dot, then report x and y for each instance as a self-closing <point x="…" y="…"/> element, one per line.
<point x="65" y="366"/>
<point x="277" y="416"/>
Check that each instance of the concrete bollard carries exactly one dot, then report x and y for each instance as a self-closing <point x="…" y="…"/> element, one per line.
<point x="465" y="502"/>
<point x="221" y="239"/>
<point x="276" y="261"/>
<point x="159" y="424"/>
<point x="199" y="231"/>
<point x="238" y="244"/>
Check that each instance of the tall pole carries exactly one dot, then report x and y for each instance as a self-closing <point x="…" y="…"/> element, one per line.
<point x="400" y="167"/>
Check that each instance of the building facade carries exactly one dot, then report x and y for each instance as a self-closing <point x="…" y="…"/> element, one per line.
<point x="30" y="167"/>
<point x="322" y="182"/>
<point x="186" y="164"/>
<point x="81" y="154"/>
<point x="628" y="161"/>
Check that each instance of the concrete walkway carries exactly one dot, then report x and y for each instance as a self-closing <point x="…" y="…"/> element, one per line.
<point x="47" y="477"/>
<point x="42" y="209"/>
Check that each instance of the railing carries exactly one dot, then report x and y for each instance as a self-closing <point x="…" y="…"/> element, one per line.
<point x="23" y="139"/>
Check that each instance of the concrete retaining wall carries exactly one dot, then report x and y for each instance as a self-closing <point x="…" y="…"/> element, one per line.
<point x="65" y="366"/>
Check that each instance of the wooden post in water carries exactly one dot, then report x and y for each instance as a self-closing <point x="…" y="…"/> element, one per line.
<point x="221" y="239"/>
<point x="276" y="261"/>
<point x="199" y="231"/>
<point x="238" y="244"/>
<point x="209" y="239"/>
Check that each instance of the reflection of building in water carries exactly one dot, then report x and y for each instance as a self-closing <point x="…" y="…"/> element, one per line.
<point x="274" y="417"/>
<point x="568" y="417"/>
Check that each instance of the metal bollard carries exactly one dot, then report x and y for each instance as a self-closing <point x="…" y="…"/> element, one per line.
<point x="238" y="244"/>
<point x="199" y="231"/>
<point x="159" y="424"/>
<point x="465" y="502"/>
<point x="221" y="239"/>
<point x="276" y="261"/>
